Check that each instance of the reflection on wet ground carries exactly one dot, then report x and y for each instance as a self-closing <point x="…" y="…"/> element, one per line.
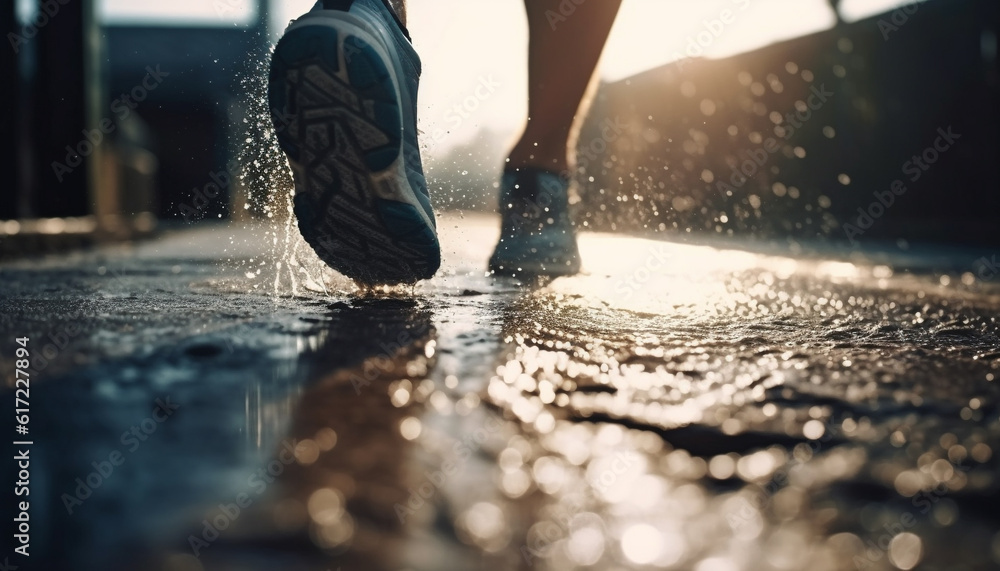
<point x="677" y="406"/>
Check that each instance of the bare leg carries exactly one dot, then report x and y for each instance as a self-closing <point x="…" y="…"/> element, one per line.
<point x="562" y="56"/>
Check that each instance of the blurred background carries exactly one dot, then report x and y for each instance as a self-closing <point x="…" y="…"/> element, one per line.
<point x="121" y="115"/>
<point x="811" y="368"/>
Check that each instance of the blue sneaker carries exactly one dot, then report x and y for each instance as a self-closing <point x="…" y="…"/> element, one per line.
<point x="536" y="235"/>
<point x="343" y="97"/>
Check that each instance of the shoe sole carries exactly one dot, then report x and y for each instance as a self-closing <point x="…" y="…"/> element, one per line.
<point x="336" y="108"/>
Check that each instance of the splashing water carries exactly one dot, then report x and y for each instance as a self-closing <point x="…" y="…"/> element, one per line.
<point x="267" y="189"/>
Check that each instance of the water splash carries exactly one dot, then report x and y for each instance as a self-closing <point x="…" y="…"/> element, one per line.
<point x="267" y="190"/>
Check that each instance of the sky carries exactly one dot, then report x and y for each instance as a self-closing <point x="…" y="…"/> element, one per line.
<point x="466" y="45"/>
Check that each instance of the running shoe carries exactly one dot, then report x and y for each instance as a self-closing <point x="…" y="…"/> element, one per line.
<point x="342" y="91"/>
<point x="536" y="236"/>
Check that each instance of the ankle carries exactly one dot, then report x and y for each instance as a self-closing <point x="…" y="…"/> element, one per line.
<point x="547" y="151"/>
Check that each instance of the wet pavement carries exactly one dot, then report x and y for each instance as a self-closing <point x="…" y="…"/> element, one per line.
<point x="215" y="400"/>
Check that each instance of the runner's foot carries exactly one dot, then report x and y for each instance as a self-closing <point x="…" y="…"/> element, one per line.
<point x="342" y="93"/>
<point x="537" y="237"/>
